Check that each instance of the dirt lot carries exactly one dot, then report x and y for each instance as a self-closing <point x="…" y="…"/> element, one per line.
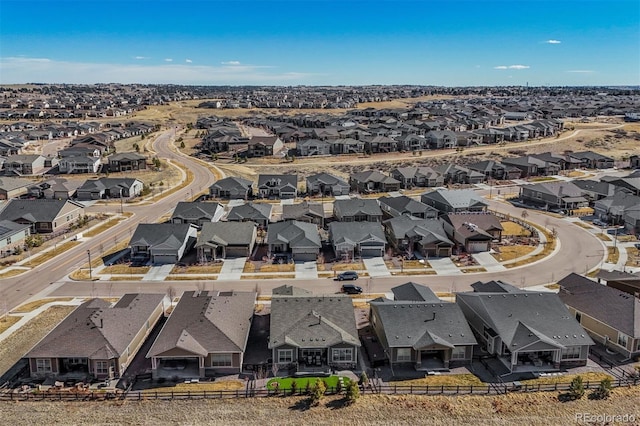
<point x="525" y="409"/>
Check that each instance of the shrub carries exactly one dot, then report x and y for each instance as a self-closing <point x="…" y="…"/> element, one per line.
<point x="353" y="392"/>
<point x="364" y="379"/>
<point x="294" y="387"/>
<point x="317" y="392"/>
<point x="576" y="389"/>
<point x="604" y="389"/>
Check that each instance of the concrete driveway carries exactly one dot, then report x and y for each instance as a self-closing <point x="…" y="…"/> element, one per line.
<point x="488" y="262"/>
<point x="232" y="269"/>
<point x="158" y="273"/>
<point x="376" y="267"/>
<point x="444" y="266"/>
<point x="306" y="270"/>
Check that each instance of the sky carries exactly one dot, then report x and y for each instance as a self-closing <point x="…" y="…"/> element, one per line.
<point x="321" y="42"/>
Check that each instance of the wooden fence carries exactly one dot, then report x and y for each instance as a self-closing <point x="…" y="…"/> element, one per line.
<point x="491" y="389"/>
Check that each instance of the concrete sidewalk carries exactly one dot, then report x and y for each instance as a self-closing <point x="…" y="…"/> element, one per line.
<point x="306" y="270"/>
<point x="232" y="269"/>
<point x="444" y="266"/>
<point x="488" y="262"/>
<point x="376" y="267"/>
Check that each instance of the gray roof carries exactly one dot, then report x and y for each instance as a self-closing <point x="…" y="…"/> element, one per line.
<point x="414" y="292"/>
<point x="289" y="290"/>
<point x="356" y="232"/>
<point x="97" y="330"/>
<point x="167" y="235"/>
<point x="39" y="210"/>
<point x="251" y="211"/>
<point x="206" y="322"/>
<point x="422" y="324"/>
<point x="226" y="234"/>
<point x="597" y="187"/>
<point x="525" y="317"/>
<point x="456" y="198"/>
<point x="11" y="183"/>
<point x="327" y="179"/>
<point x="196" y="210"/>
<point x="9" y="228"/>
<point x="431" y="230"/>
<point x="318" y="321"/>
<point x="278" y="181"/>
<point x="294" y="233"/>
<point x="557" y="189"/>
<point x="373" y="176"/>
<point x="300" y="210"/>
<point x="107" y="183"/>
<point x="404" y="204"/>
<point x="126" y="156"/>
<point x="232" y="182"/>
<point x="608" y="305"/>
<point x="357" y="206"/>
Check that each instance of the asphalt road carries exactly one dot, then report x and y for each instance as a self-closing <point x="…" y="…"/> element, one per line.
<point x="579" y="251"/>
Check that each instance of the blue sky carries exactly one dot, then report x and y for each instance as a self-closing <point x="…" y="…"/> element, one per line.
<point x="321" y="42"/>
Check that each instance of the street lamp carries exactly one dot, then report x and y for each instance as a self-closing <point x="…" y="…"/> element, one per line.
<point x="90" y="270"/>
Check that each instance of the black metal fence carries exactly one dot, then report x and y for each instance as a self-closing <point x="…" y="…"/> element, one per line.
<point x="491" y="389"/>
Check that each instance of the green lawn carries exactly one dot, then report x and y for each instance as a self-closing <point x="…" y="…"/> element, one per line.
<point x="301" y="382"/>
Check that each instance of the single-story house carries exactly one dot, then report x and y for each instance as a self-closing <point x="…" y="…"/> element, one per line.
<point x="12" y="235"/>
<point x="127" y="161"/>
<point x="232" y="188"/>
<point x="42" y="215"/>
<point x="279" y="186"/>
<point x="455" y="200"/>
<point x="197" y="213"/>
<point x="222" y="240"/>
<point x="13" y="187"/>
<point x="403" y="205"/>
<point x="326" y="184"/>
<point x="162" y="243"/>
<point x="414" y="235"/>
<point x="96" y="189"/>
<point x="260" y="213"/>
<point x="357" y="210"/>
<point x="301" y="239"/>
<point x="366" y="239"/>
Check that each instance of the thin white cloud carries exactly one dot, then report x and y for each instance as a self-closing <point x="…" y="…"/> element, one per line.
<point x="188" y="61"/>
<point x="16" y="70"/>
<point x="581" y="71"/>
<point x="552" y="41"/>
<point x="511" y="67"/>
<point x="168" y="60"/>
<point x="141" y="57"/>
<point x="231" y="63"/>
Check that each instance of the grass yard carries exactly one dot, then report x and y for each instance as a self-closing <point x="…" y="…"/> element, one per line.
<point x="442" y="380"/>
<point x="59" y="249"/>
<point x="633" y="256"/>
<point x="415" y="264"/>
<point x="347" y="266"/>
<point x="285" y="267"/>
<point x="7" y="321"/>
<point x="32" y="306"/>
<point x="542" y="179"/>
<point x="101" y="228"/>
<point x="591" y="376"/>
<point x="613" y="254"/>
<point x="301" y="382"/>
<point x="125" y="278"/>
<point x="603" y="236"/>
<point x="512" y="252"/>
<point x="190" y="277"/>
<point x="219" y="385"/>
<point x="12" y="273"/>
<point x="512" y="228"/>
<point x="547" y="250"/>
<point x="411" y="273"/>
<point x="125" y="269"/>
<point x="198" y="269"/>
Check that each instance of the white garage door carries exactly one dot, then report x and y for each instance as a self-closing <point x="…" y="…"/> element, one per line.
<point x="478" y="246"/>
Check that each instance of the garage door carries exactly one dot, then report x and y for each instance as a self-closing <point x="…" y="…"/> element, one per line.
<point x="304" y="257"/>
<point x="237" y="252"/>
<point x="164" y="258"/>
<point x="371" y="252"/>
<point x="477" y="246"/>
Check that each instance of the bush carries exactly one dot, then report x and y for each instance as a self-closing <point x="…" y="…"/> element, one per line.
<point x="294" y="387"/>
<point x="353" y="392"/>
<point x="317" y="392"/>
<point x="576" y="389"/>
<point x="603" y="391"/>
<point x="364" y="379"/>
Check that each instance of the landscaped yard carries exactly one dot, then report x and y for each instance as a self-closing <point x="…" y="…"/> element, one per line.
<point x="214" y="268"/>
<point x="442" y="380"/>
<point x="603" y="236"/>
<point x="301" y="382"/>
<point x="125" y="269"/>
<point x="31" y="306"/>
<point x="613" y="255"/>
<point x="592" y="376"/>
<point x="510" y="228"/>
<point x="512" y="252"/>
<point x="218" y="385"/>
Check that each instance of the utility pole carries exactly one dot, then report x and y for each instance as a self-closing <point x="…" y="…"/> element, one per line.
<point x="90" y="270"/>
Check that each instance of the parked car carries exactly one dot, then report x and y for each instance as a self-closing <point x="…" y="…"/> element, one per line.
<point x="347" y="276"/>
<point x="351" y="289"/>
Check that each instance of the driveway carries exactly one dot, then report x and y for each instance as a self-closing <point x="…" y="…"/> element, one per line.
<point x="158" y="273"/>
<point x="232" y="269"/>
<point x="444" y="266"/>
<point x="488" y="262"/>
<point x="376" y="267"/>
<point x="306" y="270"/>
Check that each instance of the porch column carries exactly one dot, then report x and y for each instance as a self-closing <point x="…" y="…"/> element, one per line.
<point x="201" y="366"/>
<point x="154" y="367"/>
<point x="418" y="357"/>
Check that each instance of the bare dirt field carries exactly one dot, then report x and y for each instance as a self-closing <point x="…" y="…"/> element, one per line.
<point x="512" y="409"/>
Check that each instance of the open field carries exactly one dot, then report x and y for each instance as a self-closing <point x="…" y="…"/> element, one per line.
<point x="512" y="409"/>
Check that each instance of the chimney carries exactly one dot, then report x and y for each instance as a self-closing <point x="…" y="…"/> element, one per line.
<point x="319" y="319"/>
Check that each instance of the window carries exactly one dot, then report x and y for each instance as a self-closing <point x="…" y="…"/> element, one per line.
<point x="221" y="360"/>
<point x="342" y="355"/>
<point x="285" y="355"/>
<point x="622" y="340"/>
<point x="572" y="352"/>
<point x="102" y="367"/>
<point x="403" y="354"/>
<point x="43" y="365"/>
<point x="459" y="352"/>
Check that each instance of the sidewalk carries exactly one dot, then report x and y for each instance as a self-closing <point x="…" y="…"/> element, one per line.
<point x="488" y="262"/>
<point x="158" y="273"/>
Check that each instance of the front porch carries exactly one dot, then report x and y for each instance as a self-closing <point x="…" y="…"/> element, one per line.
<point x="532" y="361"/>
<point x="183" y="368"/>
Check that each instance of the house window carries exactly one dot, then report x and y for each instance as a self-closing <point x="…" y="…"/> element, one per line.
<point x="221" y="360"/>
<point x="572" y="352"/>
<point x="285" y="355"/>
<point x="403" y="354"/>
<point x="342" y="355"/>
<point x="622" y="340"/>
<point x="43" y="365"/>
<point x="459" y="352"/>
<point x="102" y="367"/>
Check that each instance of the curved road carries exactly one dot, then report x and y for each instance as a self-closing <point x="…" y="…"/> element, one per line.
<point x="579" y="251"/>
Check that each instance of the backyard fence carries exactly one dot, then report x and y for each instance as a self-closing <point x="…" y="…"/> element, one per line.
<point x="491" y="389"/>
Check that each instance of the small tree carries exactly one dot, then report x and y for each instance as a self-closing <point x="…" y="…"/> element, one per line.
<point x="353" y="392"/>
<point x="364" y="379"/>
<point x="317" y="392"/>
<point x="294" y="387"/>
<point x="182" y="145"/>
<point x="576" y="389"/>
<point x="604" y="389"/>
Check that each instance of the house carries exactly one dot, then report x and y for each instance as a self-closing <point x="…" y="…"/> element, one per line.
<point x="403" y="205"/>
<point x="13" y="187"/>
<point x="439" y="139"/>
<point x="97" y="339"/>
<point x="419" y="329"/>
<point x="357" y="210"/>
<point x="279" y="186"/>
<point x="260" y="213"/>
<point x="473" y="232"/>
<point x="593" y="190"/>
<point x="301" y="239"/>
<point x="527" y="331"/>
<point x="613" y="209"/>
<point x="162" y="243"/>
<point x="56" y="188"/>
<point x="25" y="164"/>
<point x="264" y="146"/>
<point x="454" y="201"/>
<point x="232" y="188"/>
<point x="347" y="146"/>
<point x="414" y="235"/>
<point x="423" y="176"/>
<point x="610" y="316"/>
<point x="96" y="189"/>
<point x="366" y="239"/>
<point x="12" y="236"/>
<point x="222" y="240"/>
<point x="205" y="335"/>
<point x="304" y="212"/>
<point x="326" y="184"/>
<point x="532" y="166"/>
<point x="453" y="174"/>
<point x="593" y="160"/>
<point x="554" y="195"/>
<point x="624" y="281"/>
<point x="43" y="216"/>
<point x="313" y="332"/>
<point x="310" y="147"/>
<point x="79" y="164"/>
<point x="373" y="181"/>
<point x="126" y="161"/>
<point x="197" y="213"/>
